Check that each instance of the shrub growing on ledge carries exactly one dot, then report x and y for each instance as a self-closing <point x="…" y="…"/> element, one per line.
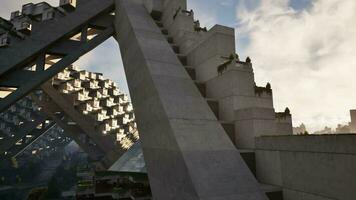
<point x="260" y="90"/>
<point x="223" y="66"/>
<point x="283" y="115"/>
<point x="268" y="86"/>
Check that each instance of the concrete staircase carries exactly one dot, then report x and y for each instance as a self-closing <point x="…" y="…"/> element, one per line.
<point x="272" y="192"/>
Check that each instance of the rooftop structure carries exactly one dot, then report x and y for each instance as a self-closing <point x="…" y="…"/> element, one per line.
<point x="353" y="121"/>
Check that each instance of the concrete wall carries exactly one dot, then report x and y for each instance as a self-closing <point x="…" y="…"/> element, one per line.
<point x="284" y="125"/>
<point x="205" y="57"/>
<point x="251" y="123"/>
<point x="309" y="167"/>
<point x="235" y="90"/>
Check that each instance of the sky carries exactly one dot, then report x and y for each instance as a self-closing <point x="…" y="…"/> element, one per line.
<point x="304" y="48"/>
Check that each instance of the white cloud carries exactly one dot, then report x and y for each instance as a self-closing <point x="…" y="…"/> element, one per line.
<point x="204" y="11"/>
<point x="308" y="56"/>
<point x="226" y="2"/>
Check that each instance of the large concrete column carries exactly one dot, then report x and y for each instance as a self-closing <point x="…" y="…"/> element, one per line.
<point x="187" y="153"/>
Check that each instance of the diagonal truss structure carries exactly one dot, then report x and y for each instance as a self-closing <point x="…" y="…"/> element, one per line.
<point x="51" y="45"/>
<point x="187" y="150"/>
<point x="90" y="109"/>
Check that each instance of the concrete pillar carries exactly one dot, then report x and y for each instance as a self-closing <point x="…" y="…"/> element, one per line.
<point x="187" y="153"/>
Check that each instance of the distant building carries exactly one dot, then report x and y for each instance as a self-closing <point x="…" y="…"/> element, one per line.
<point x="326" y="130"/>
<point x="299" y="130"/>
<point x="342" y="129"/>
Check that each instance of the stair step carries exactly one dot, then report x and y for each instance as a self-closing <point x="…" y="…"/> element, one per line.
<point x="169" y="39"/>
<point x="229" y="129"/>
<point x="156" y="15"/>
<point x="175" y="48"/>
<point x="191" y="72"/>
<point x="183" y="59"/>
<point x="202" y="88"/>
<point x="159" y="24"/>
<point x="214" y="106"/>
<point x="272" y="192"/>
<point x="250" y="159"/>
<point x="164" y="31"/>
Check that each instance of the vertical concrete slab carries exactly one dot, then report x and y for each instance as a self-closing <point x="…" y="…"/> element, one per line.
<point x="188" y="156"/>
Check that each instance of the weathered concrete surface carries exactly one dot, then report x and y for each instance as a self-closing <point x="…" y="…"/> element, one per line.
<point x="187" y="153"/>
<point x="251" y="123"/>
<point x="309" y="167"/>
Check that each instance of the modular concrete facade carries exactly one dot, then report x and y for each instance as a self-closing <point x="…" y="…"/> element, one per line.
<point x="308" y="167"/>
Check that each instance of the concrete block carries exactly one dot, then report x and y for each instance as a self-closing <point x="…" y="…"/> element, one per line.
<point x="251" y="123"/>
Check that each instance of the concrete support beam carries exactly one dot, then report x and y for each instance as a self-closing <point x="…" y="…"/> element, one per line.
<point x="20" y="53"/>
<point x="21" y="132"/>
<point x="40" y="77"/>
<point x="36" y="134"/>
<point x="187" y="153"/>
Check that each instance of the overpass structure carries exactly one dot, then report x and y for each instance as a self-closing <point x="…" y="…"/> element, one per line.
<point x="195" y="102"/>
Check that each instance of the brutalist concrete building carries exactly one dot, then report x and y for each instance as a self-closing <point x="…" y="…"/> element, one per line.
<point x="206" y="130"/>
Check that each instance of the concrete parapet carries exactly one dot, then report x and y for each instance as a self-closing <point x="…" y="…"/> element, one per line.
<point x="353" y="121"/>
<point x="310" y="143"/>
<point x="284" y="124"/>
<point x="308" y="167"/>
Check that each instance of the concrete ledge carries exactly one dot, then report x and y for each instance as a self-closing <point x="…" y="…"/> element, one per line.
<point x="254" y="113"/>
<point x="339" y="144"/>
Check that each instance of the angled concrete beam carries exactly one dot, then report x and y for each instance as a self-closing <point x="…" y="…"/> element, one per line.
<point x="48" y="33"/>
<point x="21" y="132"/>
<point x="18" y="78"/>
<point x="36" y="134"/>
<point x="39" y="77"/>
<point x="187" y="153"/>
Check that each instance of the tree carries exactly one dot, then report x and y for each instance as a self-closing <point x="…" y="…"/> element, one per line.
<point x="237" y="57"/>
<point x="248" y="60"/>
<point x="268" y="86"/>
